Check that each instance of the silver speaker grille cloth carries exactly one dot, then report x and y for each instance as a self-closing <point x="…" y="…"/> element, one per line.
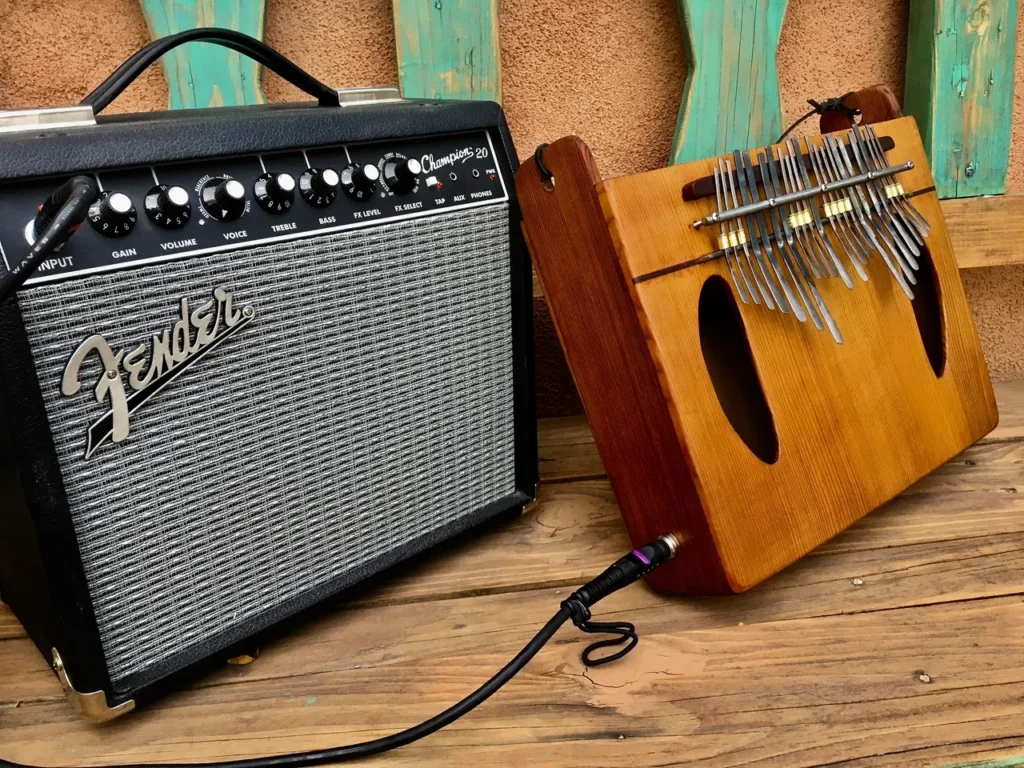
<point x="370" y="403"/>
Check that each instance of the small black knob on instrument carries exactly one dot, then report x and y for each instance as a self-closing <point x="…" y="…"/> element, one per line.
<point x="319" y="186"/>
<point x="402" y="174"/>
<point x="359" y="181"/>
<point x="168" y="207"/>
<point x="224" y="198"/>
<point x="113" y="214"/>
<point x="275" y="192"/>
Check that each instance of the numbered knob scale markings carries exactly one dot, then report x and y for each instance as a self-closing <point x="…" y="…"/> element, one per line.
<point x="319" y="186"/>
<point x="113" y="214"/>
<point x="168" y="207"/>
<point x="359" y="181"/>
<point x="275" y="192"/>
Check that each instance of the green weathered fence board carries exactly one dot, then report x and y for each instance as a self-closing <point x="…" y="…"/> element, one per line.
<point x="731" y="95"/>
<point x="959" y="86"/>
<point x="201" y="74"/>
<point x="448" y="49"/>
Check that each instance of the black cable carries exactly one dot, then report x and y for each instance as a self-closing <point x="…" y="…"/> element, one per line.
<point x="820" y="108"/>
<point x="125" y="74"/>
<point x="57" y="220"/>
<point x="576" y="607"/>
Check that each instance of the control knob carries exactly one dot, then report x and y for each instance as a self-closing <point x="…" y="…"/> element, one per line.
<point x="168" y="207"/>
<point x="402" y="174"/>
<point x="319" y="186"/>
<point x="113" y="214"/>
<point x="359" y="181"/>
<point x="224" y="198"/>
<point x="275" y="192"/>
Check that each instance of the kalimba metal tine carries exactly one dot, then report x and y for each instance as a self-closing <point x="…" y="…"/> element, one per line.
<point x="882" y="205"/>
<point x="795" y="217"/>
<point x="785" y="243"/>
<point x="784" y="222"/>
<point x="724" y="239"/>
<point x="799" y="308"/>
<point x="877" y="221"/>
<point x="761" y="288"/>
<point x="736" y="227"/>
<point x="736" y="231"/>
<point x="857" y="233"/>
<point x="875" y="232"/>
<point x="801" y="180"/>
<point x="895" y="268"/>
<point x="867" y="162"/>
<point x="836" y="215"/>
<point x="763" y="259"/>
<point x="865" y="236"/>
<point x="922" y="223"/>
<point x="804" y="233"/>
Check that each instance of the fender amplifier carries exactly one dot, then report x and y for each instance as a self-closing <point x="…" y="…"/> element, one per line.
<point x="289" y="347"/>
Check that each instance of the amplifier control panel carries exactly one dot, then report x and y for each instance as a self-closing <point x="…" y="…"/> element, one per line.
<point x="187" y="209"/>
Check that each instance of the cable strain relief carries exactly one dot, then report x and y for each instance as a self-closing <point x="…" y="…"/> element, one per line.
<point x="578" y="611"/>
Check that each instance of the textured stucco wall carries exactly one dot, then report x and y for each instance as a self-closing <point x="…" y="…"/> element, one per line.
<point x="610" y="71"/>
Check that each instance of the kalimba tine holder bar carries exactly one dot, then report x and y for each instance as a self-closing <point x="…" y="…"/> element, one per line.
<point x="753" y="435"/>
<point x="806" y="194"/>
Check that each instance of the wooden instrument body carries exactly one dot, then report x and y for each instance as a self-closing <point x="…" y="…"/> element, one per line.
<point x="855" y="423"/>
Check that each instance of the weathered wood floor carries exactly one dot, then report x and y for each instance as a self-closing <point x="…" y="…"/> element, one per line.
<point x="901" y="642"/>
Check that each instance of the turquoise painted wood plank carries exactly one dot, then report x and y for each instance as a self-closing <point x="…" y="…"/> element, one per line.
<point x="201" y="74"/>
<point x="731" y="95"/>
<point x="959" y="86"/>
<point x="448" y="49"/>
<point x="1010" y="762"/>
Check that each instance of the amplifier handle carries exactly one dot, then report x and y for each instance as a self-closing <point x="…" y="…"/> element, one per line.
<point x="125" y="74"/>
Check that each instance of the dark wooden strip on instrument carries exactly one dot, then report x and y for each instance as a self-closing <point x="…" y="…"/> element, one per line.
<point x="705" y="186"/>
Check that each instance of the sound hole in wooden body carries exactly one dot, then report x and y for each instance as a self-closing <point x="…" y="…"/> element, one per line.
<point x="927" y="305"/>
<point x="730" y="364"/>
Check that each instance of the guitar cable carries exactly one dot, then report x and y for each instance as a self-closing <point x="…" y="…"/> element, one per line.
<point x="57" y="220"/>
<point x="575" y="608"/>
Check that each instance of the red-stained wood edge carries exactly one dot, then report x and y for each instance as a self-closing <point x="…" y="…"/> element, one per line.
<point x="577" y="263"/>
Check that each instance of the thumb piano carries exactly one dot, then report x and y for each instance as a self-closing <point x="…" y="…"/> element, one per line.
<point x="769" y="344"/>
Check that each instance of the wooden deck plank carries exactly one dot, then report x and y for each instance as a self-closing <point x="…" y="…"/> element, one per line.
<point x="798" y="691"/>
<point x="935" y="573"/>
<point x="986" y="231"/>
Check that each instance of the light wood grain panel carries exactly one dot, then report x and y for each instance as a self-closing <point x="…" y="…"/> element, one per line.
<point x="856" y="422"/>
<point x="984" y="231"/>
<point x="568" y="451"/>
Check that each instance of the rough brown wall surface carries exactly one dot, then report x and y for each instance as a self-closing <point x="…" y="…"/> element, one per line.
<point x="610" y="71"/>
